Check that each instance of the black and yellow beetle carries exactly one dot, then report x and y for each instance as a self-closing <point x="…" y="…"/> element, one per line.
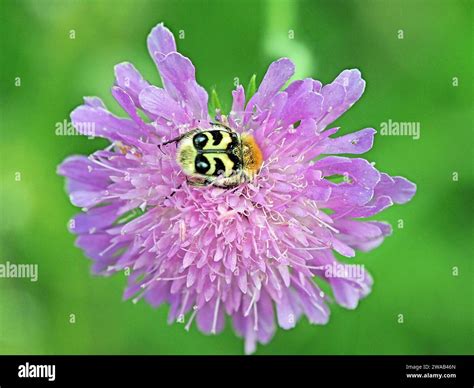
<point x="217" y="156"/>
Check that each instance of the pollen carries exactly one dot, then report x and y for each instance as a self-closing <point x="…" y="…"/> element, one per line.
<point x="253" y="158"/>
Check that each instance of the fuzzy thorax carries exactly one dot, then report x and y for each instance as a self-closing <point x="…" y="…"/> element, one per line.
<point x="251" y="155"/>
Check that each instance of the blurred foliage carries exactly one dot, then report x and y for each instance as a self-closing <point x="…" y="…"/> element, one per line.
<point x="408" y="79"/>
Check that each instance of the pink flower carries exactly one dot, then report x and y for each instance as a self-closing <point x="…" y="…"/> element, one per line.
<point x="250" y="252"/>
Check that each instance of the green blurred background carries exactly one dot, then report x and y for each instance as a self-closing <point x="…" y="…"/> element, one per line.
<point x="408" y="79"/>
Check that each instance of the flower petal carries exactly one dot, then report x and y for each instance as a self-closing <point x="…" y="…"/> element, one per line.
<point x="286" y="313"/>
<point x="348" y="291"/>
<point x="353" y="143"/>
<point x="305" y="106"/>
<point x="160" y="42"/>
<point x="360" y="170"/>
<point x="83" y="174"/>
<point x="238" y="106"/>
<point x="399" y="189"/>
<point x="129" y="79"/>
<point x="179" y="79"/>
<point x="100" y="122"/>
<point x="126" y="102"/>
<point x="276" y="76"/>
<point x="340" y="95"/>
<point x="158" y="102"/>
<point x="95" y="219"/>
<point x="364" y="236"/>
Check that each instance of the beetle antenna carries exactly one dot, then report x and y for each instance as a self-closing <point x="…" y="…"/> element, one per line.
<point x="220" y="124"/>
<point x="175" y="140"/>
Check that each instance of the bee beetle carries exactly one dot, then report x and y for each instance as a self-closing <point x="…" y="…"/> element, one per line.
<point x="217" y="156"/>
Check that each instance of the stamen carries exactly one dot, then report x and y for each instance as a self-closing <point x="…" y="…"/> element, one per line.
<point x="311" y="248"/>
<point x="216" y="311"/>
<point x="108" y="248"/>
<point x="183" y="306"/>
<point x="255" y="316"/>
<point x="169" y="279"/>
<point x="188" y="325"/>
<point x="92" y="159"/>
<point x="254" y="297"/>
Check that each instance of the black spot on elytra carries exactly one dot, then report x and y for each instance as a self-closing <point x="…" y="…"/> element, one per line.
<point x="217" y="137"/>
<point x="234" y="143"/>
<point x="201" y="164"/>
<point x="220" y="168"/>
<point x="200" y="141"/>
<point x="236" y="160"/>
